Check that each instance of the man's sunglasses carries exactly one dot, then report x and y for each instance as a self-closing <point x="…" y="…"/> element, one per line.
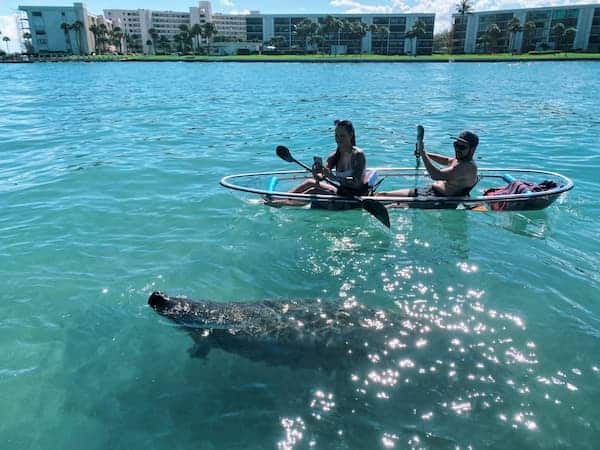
<point x="460" y="145"/>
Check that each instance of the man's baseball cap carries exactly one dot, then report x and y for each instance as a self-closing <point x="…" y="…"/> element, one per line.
<point x="468" y="137"/>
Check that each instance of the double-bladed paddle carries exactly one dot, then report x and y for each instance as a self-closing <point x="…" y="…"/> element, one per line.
<point x="373" y="207"/>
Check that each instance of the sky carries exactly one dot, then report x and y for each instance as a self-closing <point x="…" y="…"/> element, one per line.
<point x="442" y="8"/>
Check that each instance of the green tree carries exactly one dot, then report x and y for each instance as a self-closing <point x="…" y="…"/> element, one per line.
<point x="134" y="43"/>
<point x="331" y="26"/>
<point x="27" y="42"/>
<point x="77" y="26"/>
<point x="196" y="32"/>
<point x="381" y="31"/>
<point x="528" y="33"/>
<point x="66" y="27"/>
<point x="153" y="32"/>
<point x="494" y="33"/>
<point x="442" y="42"/>
<point x="94" y="30"/>
<point x="417" y="31"/>
<point x="117" y="38"/>
<point x="464" y="7"/>
<point x="484" y="42"/>
<point x="164" y="44"/>
<point x="514" y="27"/>
<point x="558" y="32"/>
<point x="305" y="31"/>
<point x="102" y="36"/>
<point x="569" y="37"/>
<point x="358" y="31"/>
<point x="150" y="43"/>
<point x="208" y="31"/>
<point x="187" y="37"/>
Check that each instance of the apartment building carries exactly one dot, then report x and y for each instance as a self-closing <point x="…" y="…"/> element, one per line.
<point x="138" y="23"/>
<point x="59" y="29"/>
<point x="230" y="27"/>
<point x="391" y="39"/>
<point x="468" y="29"/>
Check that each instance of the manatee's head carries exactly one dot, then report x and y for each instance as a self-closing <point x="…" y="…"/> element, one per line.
<point x="161" y="302"/>
<point x="177" y="309"/>
<point x="193" y="314"/>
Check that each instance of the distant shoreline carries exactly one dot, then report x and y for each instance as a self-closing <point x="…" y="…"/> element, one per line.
<point x="469" y="58"/>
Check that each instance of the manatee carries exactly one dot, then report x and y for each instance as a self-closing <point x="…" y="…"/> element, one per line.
<point x="298" y="333"/>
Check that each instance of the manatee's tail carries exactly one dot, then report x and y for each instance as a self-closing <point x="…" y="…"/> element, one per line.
<point x="159" y="301"/>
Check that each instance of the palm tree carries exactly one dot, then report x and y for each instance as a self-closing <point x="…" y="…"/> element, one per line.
<point x="134" y="43"/>
<point x="103" y="35"/>
<point x="464" y="7"/>
<point x="117" y="38"/>
<point x="149" y="43"/>
<point x="569" y="37"/>
<point x="208" y="31"/>
<point x="331" y="25"/>
<point x="66" y="27"/>
<point x="558" y="32"/>
<point x="514" y="27"/>
<point x="153" y="32"/>
<point x="94" y="30"/>
<point x="77" y="26"/>
<point x="528" y="32"/>
<point x="484" y="41"/>
<point x="186" y="36"/>
<point x="442" y="42"/>
<point x="27" y="42"/>
<point x="379" y="31"/>
<point x="494" y="33"/>
<point x="306" y="31"/>
<point x="358" y="31"/>
<point x="6" y="39"/>
<point x="196" y="32"/>
<point x="164" y="44"/>
<point x="417" y="31"/>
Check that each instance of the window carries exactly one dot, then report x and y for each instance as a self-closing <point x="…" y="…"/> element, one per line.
<point x="36" y="13"/>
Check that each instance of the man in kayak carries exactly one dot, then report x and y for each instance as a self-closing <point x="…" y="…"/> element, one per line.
<point x="456" y="179"/>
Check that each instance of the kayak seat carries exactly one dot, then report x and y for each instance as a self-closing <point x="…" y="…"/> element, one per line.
<point x="373" y="180"/>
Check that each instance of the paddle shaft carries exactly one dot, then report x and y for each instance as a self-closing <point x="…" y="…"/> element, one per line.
<point x="418" y="147"/>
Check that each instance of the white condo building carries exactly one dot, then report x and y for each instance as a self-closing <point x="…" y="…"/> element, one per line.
<point x="230" y="27"/>
<point x="138" y="22"/>
<point x="469" y="28"/>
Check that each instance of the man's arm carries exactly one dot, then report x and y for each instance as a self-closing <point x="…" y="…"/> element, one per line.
<point x="440" y="159"/>
<point x="434" y="172"/>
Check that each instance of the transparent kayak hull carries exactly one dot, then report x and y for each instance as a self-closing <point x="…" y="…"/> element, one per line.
<point x="273" y="186"/>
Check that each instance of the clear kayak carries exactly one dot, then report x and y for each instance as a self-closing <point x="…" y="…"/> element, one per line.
<point x="273" y="186"/>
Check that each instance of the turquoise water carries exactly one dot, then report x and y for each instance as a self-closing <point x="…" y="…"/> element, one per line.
<point x="109" y="190"/>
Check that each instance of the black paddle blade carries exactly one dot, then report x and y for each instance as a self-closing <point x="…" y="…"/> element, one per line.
<point x="376" y="209"/>
<point x="284" y="153"/>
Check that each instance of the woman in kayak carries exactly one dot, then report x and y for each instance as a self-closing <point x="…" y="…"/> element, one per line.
<point x="343" y="172"/>
<point x="458" y="176"/>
